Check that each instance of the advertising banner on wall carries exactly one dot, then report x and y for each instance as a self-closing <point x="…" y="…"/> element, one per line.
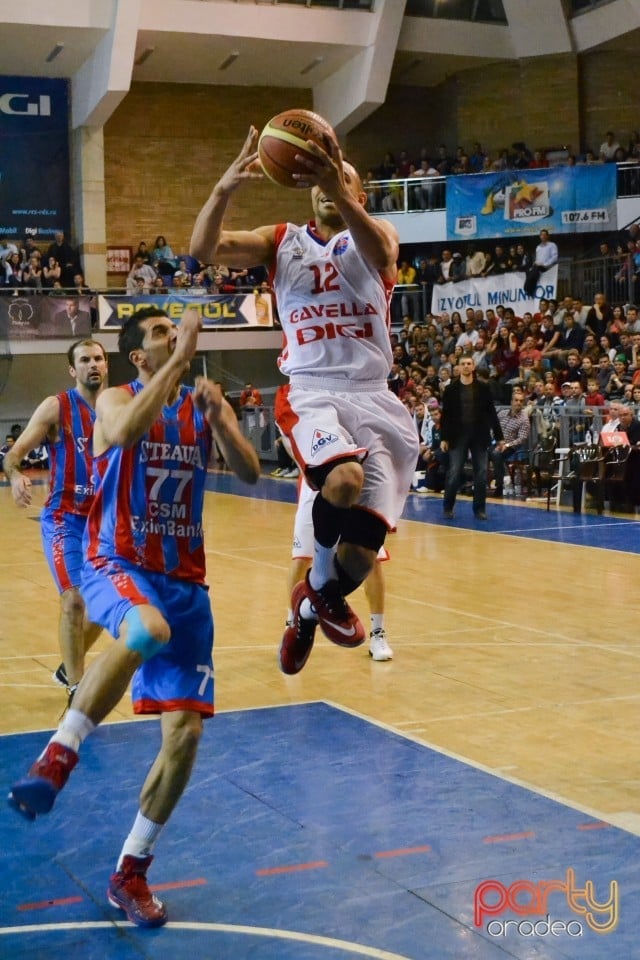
<point x="34" y="157"/>
<point x="482" y="292"/>
<point x="35" y="317"/>
<point x="217" y="310"/>
<point x="523" y="202"/>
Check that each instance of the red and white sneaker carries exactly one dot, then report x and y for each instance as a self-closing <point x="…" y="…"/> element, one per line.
<point x="46" y="778"/>
<point x="298" y="637"/>
<point x="129" y="891"/>
<point x="337" y="620"/>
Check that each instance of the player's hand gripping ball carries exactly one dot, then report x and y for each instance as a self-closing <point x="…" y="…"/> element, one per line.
<point x="284" y="136"/>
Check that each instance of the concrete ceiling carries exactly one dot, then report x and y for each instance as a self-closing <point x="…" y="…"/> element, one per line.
<point x="339" y="54"/>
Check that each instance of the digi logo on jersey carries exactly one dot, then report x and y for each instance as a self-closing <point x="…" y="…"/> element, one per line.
<point x="332" y="330"/>
<point x="321" y="439"/>
<point x="341" y="245"/>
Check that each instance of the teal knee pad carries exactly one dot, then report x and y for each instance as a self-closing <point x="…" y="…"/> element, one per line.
<point x="139" y="640"/>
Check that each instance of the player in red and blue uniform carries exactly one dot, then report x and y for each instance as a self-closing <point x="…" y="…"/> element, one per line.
<point x="352" y="438"/>
<point x="65" y="424"/>
<point x="144" y="581"/>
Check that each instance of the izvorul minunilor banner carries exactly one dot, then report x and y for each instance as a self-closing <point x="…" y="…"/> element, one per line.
<point x="34" y="157"/>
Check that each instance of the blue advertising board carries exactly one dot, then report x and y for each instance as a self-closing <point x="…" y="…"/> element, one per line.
<point x="34" y="157"/>
<point x="515" y="203"/>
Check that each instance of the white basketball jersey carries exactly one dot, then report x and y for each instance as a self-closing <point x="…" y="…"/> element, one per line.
<point x="333" y="307"/>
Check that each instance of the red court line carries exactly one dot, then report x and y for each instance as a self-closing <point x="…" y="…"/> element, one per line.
<point x="43" y="904"/>
<point x="178" y="884"/>
<point x="402" y="852"/>
<point x="599" y="825"/>
<point x="294" y="868"/>
<point x="501" y="838"/>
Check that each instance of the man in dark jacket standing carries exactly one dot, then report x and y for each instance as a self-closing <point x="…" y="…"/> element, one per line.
<point x="468" y="419"/>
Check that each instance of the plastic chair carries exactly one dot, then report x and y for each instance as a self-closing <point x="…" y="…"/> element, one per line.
<point x="615" y="470"/>
<point x="586" y="462"/>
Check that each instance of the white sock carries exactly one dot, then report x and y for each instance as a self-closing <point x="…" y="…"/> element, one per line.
<point x="323" y="567"/>
<point x="74" y="729"/>
<point x="377" y="621"/>
<point x="141" y="840"/>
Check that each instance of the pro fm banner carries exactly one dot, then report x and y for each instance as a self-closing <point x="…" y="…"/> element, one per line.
<point x="516" y="203"/>
<point x="226" y="311"/>
<point x="34" y="157"/>
<point x="482" y="292"/>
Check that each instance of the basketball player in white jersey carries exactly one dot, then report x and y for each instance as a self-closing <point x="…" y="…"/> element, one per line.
<point x="352" y="438"/>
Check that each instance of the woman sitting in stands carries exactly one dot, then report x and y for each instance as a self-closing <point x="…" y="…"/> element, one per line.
<point x="163" y="258"/>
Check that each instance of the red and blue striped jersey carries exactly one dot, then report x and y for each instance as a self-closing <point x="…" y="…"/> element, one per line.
<point x="149" y="498"/>
<point x="71" y="485"/>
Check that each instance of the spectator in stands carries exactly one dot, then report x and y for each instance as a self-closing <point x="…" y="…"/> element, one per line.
<point x="443" y="162"/>
<point x="393" y="199"/>
<point x="599" y="316"/>
<point x="446" y="263"/>
<point x="373" y="191"/>
<point x="163" y="259"/>
<point x="504" y="357"/>
<point x="538" y="161"/>
<point x="250" y="397"/>
<point x="608" y="147"/>
<point x="618" y="379"/>
<point x="546" y="256"/>
<point x="66" y="255"/>
<point x="51" y="272"/>
<point x="141" y="277"/>
<point x="458" y="269"/>
<point x="32" y="274"/>
<point x="477" y="159"/>
<point x="593" y="397"/>
<point x="7" y="247"/>
<point x="514" y="428"/>
<point x="425" y="193"/>
<point x="143" y="251"/>
<point x="13" y="270"/>
<point x="475" y="261"/>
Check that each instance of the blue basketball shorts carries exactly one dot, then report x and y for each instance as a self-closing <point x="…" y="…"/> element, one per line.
<point x="180" y="676"/>
<point x="62" y="543"/>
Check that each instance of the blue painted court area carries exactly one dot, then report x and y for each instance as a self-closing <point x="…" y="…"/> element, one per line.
<point x="311" y="833"/>
<point x="504" y="517"/>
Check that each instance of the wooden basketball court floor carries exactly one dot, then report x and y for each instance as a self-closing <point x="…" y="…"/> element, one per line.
<point x="358" y="808"/>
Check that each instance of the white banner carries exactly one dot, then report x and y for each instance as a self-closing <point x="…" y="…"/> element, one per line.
<point x="482" y="292"/>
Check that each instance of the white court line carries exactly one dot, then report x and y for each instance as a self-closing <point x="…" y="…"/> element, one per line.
<point x="330" y="942"/>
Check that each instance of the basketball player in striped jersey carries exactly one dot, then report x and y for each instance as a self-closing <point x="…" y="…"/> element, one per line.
<point x="65" y="424"/>
<point x="144" y="582"/>
<point x="352" y="438"/>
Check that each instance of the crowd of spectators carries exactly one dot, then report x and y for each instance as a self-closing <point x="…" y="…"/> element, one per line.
<point x="568" y="360"/>
<point x="159" y="269"/>
<point x="29" y="266"/>
<point x="441" y="162"/>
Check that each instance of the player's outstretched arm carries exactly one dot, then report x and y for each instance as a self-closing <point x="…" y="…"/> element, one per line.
<point x="121" y="419"/>
<point x="238" y="453"/>
<point x="210" y="243"/>
<point x="43" y="425"/>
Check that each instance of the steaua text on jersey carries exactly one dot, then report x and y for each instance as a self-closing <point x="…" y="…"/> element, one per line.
<point x="149" y="500"/>
<point x="333" y="307"/>
<point x="71" y="484"/>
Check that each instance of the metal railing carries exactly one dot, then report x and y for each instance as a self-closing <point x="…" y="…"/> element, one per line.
<point x="416" y="194"/>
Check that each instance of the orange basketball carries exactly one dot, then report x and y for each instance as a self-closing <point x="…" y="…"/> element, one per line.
<point x="284" y="136"/>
